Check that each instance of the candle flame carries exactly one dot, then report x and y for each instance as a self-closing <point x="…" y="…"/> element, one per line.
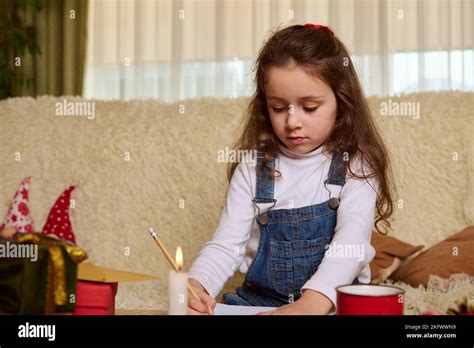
<point x="179" y="258"/>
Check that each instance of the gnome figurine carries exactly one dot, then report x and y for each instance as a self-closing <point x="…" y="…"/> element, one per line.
<point x="58" y="223"/>
<point x="18" y="218"/>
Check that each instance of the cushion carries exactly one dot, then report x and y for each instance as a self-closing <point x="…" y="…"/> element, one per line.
<point x="450" y="256"/>
<point x="390" y="253"/>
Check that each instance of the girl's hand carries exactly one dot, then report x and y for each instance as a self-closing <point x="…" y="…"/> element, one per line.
<point x="206" y="304"/>
<point x="310" y="303"/>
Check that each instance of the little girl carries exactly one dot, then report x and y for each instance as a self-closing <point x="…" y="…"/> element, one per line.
<point x="299" y="220"/>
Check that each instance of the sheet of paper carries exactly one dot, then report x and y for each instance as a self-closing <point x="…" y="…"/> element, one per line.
<point x="223" y="309"/>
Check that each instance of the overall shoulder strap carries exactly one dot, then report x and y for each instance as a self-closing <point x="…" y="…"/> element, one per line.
<point x="337" y="174"/>
<point x="265" y="182"/>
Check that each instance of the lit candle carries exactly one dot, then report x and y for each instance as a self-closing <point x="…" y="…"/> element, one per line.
<point x="178" y="288"/>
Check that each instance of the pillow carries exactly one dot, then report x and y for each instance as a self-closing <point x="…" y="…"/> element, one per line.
<point x="452" y="255"/>
<point x="390" y="253"/>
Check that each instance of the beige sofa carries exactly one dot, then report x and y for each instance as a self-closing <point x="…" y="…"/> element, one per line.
<point x="147" y="163"/>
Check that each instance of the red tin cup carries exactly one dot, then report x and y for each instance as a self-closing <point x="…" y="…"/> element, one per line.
<point x="369" y="300"/>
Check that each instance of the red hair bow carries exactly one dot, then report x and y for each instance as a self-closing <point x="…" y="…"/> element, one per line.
<point x="319" y="26"/>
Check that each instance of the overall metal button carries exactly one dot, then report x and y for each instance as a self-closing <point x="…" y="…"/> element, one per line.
<point x="334" y="203"/>
<point x="263" y="219"/>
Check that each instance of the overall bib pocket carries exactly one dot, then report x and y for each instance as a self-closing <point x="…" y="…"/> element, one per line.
<point x="292" y="263"/>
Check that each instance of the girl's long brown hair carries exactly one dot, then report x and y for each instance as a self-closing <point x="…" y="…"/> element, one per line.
<point x="354" y="134"/>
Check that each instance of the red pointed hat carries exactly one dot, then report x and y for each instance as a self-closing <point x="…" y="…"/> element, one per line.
<point x="58" y="222"/>
<point x="18" y="216"/>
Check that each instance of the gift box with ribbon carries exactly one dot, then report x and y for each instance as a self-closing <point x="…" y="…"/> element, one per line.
<point x="38" y="274"/>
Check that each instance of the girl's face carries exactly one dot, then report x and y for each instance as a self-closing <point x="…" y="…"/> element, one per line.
<point x="302" y="108"/>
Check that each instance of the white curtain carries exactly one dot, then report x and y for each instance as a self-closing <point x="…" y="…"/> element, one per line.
<point x="179" y="49"/>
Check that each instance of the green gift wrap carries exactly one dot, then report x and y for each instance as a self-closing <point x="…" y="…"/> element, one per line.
<point x="38" y="274"/>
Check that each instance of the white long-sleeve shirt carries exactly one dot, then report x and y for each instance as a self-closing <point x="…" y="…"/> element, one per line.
<point x="236" y="239"/>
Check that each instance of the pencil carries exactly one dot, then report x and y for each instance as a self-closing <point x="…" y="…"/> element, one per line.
<point x="169" y="258"/>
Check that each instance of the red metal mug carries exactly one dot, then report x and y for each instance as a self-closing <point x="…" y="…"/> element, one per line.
<point x="363" y="299"/>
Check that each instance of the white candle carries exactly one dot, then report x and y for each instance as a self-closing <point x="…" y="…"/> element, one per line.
<point x="178" y="288"/>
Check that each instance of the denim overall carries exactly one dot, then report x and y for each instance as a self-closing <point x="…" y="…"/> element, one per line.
<point x="292" y="243"/>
